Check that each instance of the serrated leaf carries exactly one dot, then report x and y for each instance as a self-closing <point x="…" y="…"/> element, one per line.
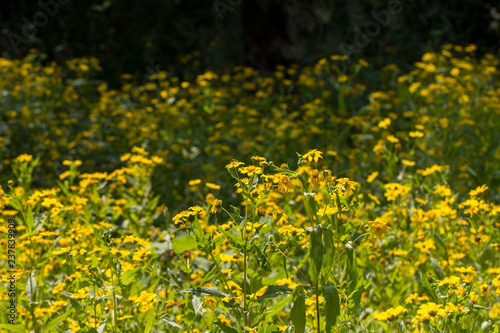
<point x="332" y="310"/>
<point x="317" y="249"/>
<point x="298" y="313"/>
<point x="183" y="244"/>
<point x="204" y="291"/>
<point x="274" y="291"/>
<point x="130" y="276"/>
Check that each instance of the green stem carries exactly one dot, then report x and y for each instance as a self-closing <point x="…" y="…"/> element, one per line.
<point x="245" y="267"/>
<point x="318" y="318"/>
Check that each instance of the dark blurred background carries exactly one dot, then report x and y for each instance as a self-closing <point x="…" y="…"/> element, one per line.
<point x="138" y="37"/>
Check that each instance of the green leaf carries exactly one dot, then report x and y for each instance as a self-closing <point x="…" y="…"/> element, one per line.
<point x="317" y="249"/>
<point x="274" y="291"/>
<point x="209" y="275"/>
<point x="13" y="328"/>
<point x="94" y="264"/>
<point x="429" y="290"/>
<point x="272" y="329"/>
<point x="235" y="241"/>
<point x="198" y="231"/>
<point x="54" y="322"/>
<point x="182" y="244"/>
<point x="298" y="312"/>
<point x="311" y="206"/>
<point x="130" y="276"/>
<point x="355" y="297"/>
<point x="277" y="307"/>
<point x="149" y="321"/>
<point x="226" y="328"/>
<point x="351" y="267"/>
<point x="339" y="206"/>
<point x="440" y="244"/>
<point x="437" y="268"/>
<point x="332" y="310"/>
<point x="204" y="291"/>
<point x="329" y="251"/>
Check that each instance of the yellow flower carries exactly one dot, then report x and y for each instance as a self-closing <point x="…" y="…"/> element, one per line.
<point x="285" y="185"/>
<point x="432" y="310"/>
<point x="210" y="302"/>
<point x="392" y="138"/>
<point x="250" y="170"/>
<point x="74" y="327"/>
<point x="390" y="314"/>
<point x="379" y="228"/>
<point x="372" y="176"/>
<point x="315" y="178"/>
<point x="212" y="186"/>
<point x="234" y="164"/>
<point x="345" y="186"/>
<point x="384" y="123"/>
<point x="478" y="190"/>
<point x="62" y="250"/>
<point x="194" y="182"/>
<point x="223" y="319"/>
<point x="82" y="293"/>
<point x="484" y="290"/>
<point x="408" y="163"/>
<point x="416" y="134"/>
<point x="215" y="204"/>
<point x="25" y="158"/>
<point x="145" y="300"/>
<point x="313" y="154"/>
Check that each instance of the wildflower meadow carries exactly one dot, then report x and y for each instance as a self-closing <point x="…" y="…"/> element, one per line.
<point x="327" y="198"/>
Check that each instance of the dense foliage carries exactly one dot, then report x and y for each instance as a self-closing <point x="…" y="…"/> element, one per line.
<point x="309" y="200"/>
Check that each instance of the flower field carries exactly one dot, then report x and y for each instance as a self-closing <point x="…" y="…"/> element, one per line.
<point x="330" y="198"/>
